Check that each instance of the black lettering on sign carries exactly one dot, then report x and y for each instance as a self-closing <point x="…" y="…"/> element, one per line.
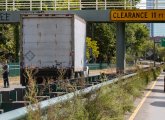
<point x="161" y="15"/>
<point x="130" y="15"/>
<point x="153" y="14"/>
<point x="114" y="15"/>
<point x="4" y="16"/>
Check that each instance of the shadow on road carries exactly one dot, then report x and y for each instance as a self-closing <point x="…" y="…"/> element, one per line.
<point x="158" y="104"/>
<point x="156" y="97"/>
<point x="160" y="85"/>
<point x="156" y="90"/>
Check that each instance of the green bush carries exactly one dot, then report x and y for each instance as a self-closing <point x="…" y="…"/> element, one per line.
<point x="71" y="110"/>
<point x="112" y="102"/>
<point x="108" y="103"/>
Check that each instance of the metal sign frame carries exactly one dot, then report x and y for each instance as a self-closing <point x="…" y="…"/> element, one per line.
<point x="138" y="15"/>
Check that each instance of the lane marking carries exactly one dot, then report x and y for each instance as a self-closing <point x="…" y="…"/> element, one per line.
<point x="141" y="103"/>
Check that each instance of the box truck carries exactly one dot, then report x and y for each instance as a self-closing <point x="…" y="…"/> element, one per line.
<point x="51" y="43"/>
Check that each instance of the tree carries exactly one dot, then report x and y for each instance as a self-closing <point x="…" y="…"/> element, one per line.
<point x="104" y="34"/>
<point x="16" y="41"/>
<point x="136" y="35"/>
<point x="7" y="43"/>
<point x="91" y="49"/>
<point x="147" y="46"/>
<point x="160" y="53"/>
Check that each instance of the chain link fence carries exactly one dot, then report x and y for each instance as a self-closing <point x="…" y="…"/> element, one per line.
<point x="14" y="70"/>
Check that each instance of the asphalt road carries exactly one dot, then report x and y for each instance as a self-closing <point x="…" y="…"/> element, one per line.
<point x="153" y="107"/>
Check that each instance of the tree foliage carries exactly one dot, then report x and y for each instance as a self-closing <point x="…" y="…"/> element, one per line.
<point x="91" y="45"/>
<point x="161" y="53"/>
<point x="102" y="37"/>
<point x="147" y="46"/>
<point x="104" y="34"/>
<point x="7" y="43"/>
<point x="136" y="35"/>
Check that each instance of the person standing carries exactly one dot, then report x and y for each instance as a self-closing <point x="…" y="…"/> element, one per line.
<point x="5" y="75"/>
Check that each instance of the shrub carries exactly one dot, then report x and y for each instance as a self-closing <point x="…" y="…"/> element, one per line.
<point x="108" y="103"/>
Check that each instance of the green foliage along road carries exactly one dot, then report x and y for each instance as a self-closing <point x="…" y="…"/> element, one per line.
<point x="9" y="41"/>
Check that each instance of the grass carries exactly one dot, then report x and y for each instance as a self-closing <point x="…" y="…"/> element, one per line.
<point x="108" y="103"/>
<point x="33" y="108"/>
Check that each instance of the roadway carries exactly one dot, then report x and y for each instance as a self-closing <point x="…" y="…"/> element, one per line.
<point x="152" y="105"/>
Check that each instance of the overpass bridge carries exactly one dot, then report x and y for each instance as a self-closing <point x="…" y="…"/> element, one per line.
<point x="90" y="11"/>
<point x="97" y="11"/>
<point x="14" y="5"/>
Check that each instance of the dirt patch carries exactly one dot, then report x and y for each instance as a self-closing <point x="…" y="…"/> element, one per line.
<point x="12" y="81"/>
<point x="106" y="71"/>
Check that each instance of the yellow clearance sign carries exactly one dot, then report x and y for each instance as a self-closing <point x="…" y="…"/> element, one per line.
<point x="137" y="15"/>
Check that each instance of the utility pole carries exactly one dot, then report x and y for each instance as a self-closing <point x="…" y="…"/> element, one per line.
<point x="156" y="40"/>
<point x="155" y="7"/>
<point x="154" y="53"/>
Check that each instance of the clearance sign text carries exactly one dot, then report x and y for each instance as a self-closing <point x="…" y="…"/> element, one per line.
<point x="137" y="15"/>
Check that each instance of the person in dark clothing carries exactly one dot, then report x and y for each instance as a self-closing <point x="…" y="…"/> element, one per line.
<point x="5" y="75"/>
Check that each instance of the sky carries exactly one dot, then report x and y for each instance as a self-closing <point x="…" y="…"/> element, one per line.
<point x="143" y="0"/>
<point x="142" y="4"/>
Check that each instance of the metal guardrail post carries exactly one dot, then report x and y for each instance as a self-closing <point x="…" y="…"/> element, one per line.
<point x="30" y="5"/>
<point x="96" y="4"/>
<point x="68" y="4"/>
<point x="156" y="4"/>
<point x="125" y="3"/>
<point x="6" y="5"/>
<point x="80" y="5"/>
<point x="13" y="5"/>
<point x="40" y="4"/>
<point x="55" y="5"/>
<point x="131" y="3"/>
<point x="135" y="3"/>
<point x="105" y="4"/>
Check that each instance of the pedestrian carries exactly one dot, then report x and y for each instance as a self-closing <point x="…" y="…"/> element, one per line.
<point x="5" y="75"/>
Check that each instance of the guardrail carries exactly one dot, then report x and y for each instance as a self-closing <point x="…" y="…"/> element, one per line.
<point x="14" y="5"/>
<point x="22" y="112"/>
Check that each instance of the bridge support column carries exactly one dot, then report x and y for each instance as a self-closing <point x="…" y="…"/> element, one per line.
<point x="120" y="48"/>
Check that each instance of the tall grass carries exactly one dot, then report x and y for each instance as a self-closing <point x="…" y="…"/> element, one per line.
<point x="33" y="108"/>
<point x="108" y="103"/>
<point x="70" y="110"/>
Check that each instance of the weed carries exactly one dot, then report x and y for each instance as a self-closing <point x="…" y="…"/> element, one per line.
<point x="70" y="110"/>
<point x="34" y="112"/>
<point x="108" y="103"/>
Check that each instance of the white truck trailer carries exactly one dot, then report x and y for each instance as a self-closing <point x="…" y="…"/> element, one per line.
<point x="51" y="42"/>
